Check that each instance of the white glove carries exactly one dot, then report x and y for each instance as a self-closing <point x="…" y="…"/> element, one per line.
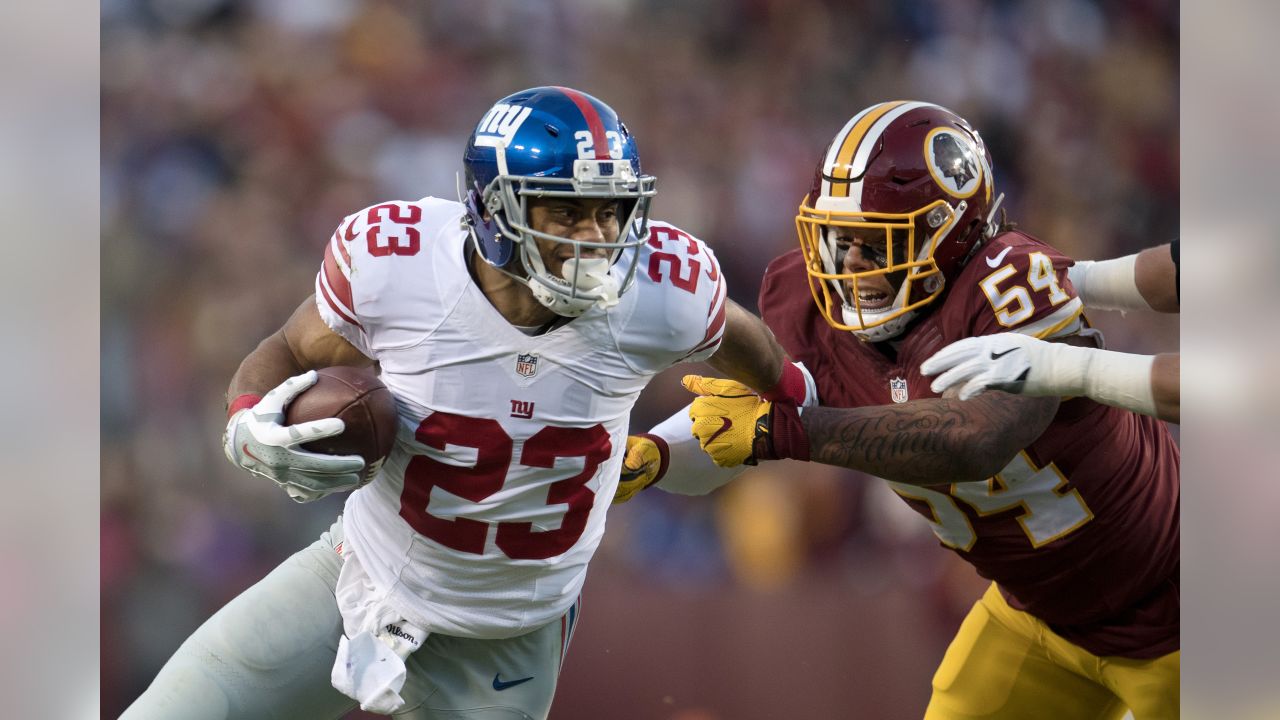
<point x="256" y="440"/>
<point x="1020" y="364"/>
<point x="1011" y="362"/>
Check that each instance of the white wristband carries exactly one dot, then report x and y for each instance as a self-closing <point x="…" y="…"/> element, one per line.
<point x="1108" y="284"/>
<point x="1112" y="378"/>
<point x="690" y="471"/>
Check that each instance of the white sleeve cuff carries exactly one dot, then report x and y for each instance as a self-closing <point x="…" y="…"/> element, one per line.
<point x="690" y="471"/>
<point x="1111" y="378"/>
<point x="1108" y="284"/>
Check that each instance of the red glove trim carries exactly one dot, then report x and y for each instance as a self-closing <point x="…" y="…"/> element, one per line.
<point x="664" y="455"/>
<point x="788" y="436"/>
<point x="790" y="387"/>
<point x="241" y="402"/>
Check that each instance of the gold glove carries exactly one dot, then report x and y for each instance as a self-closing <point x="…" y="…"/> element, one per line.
<point x="644" y="465"/>
<point x="727" y="419"/>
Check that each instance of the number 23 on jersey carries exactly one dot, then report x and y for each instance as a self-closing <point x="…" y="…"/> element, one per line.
<point x="478" y="482"/>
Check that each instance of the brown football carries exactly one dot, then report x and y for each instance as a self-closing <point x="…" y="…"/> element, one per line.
<point x="362" y="402"/>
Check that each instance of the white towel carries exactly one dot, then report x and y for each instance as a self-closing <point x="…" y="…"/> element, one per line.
<point x="371" y="653"/>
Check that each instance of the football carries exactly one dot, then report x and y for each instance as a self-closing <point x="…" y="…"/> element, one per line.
<point x="362" y="402"/>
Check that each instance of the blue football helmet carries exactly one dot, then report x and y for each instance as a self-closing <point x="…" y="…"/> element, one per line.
<point x="555" y="142"/>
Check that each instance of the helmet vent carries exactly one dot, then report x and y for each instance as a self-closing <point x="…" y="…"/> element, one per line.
<point x="922" y="121"/>
<point x="899" y="180"/>
<point x="552" y="130"/>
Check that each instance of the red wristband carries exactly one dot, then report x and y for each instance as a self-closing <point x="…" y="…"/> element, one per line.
<point x="790" y="387"/>
<point x="241" y="402"/>
<point x="664" y="455"/>
<point x="787" y="433"/>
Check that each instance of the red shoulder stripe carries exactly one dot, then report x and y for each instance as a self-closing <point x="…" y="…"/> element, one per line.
<point x="333" y="305"/>
<point x="715" y="329"/>
<point x="337" y="281"/>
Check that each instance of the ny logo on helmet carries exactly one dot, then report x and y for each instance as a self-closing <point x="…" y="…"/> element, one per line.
<point x="500" y="124"/>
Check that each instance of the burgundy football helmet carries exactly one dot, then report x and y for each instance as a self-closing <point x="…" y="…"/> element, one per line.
<point x="910" y="184"/>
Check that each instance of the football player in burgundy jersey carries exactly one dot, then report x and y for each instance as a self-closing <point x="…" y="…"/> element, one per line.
<point x="1068" y="506"/>
<point x="516" y="328"/>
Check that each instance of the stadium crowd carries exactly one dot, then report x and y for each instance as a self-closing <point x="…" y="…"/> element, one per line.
<point x="237" y="133"/>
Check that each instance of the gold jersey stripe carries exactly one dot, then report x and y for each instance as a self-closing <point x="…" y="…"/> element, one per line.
<point x="1052" y="326"/>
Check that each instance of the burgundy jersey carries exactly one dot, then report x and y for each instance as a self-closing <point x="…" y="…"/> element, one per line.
<point x="1081" y="528"/>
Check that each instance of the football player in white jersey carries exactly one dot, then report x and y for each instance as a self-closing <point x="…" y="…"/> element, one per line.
<point x="516" y="329"/>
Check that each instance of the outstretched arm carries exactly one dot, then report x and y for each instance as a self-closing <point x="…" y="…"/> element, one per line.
<point x="923" y="442"/>
<point x="1144" y="281"/>
<point x="1023" y="365"/>
<point x="748" y="353"/>
<point x="926" y="442"/>
<point x="1156" y="274"/>
<point x="1166" y="386"/>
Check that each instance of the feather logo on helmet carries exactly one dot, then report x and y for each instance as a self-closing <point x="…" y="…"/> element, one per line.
<point x="953" y="162"/>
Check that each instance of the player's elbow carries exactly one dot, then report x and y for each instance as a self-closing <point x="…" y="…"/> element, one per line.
<point x="985" y="461"/>
<point x="991" y="447"/>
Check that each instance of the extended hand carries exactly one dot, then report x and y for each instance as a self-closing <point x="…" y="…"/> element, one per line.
<point x="1006" y="361"/>
<point x="644" y="465"/>
<point x="731" y="423"/>
<point x="257" y="441"/>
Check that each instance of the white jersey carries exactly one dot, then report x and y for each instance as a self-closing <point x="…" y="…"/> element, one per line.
<point x="482" y="520"/>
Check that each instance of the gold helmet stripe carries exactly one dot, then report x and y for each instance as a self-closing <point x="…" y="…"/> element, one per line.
<point x="840" y="168"/>
<point x="829" y="163"/>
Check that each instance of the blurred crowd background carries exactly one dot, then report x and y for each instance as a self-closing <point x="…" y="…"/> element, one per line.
<point x="235" y="135"/>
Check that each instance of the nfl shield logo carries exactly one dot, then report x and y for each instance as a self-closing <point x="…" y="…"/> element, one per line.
<point x="526" y="364"/>
<point x="898" y="390"/>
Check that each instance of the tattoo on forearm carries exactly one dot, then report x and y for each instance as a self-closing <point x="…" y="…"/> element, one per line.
<point x="927" y="441"/>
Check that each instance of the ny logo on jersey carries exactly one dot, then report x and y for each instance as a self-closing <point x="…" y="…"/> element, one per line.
<point x="521" y="409"/>
<point x="898" y="390"/>
<point x="526" y="364"/>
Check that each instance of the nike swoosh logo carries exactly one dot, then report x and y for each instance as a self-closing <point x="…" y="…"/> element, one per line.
<point x="992" y="262"/>
<point x="245" y="449"/>
<point x="500" y="685"/>
<point x="627" y="475"/>
<point x="998" y="355"/>
<point x="727" y="424"/>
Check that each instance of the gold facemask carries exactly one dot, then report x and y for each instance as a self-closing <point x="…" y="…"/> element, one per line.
<point x="904" y="258"/>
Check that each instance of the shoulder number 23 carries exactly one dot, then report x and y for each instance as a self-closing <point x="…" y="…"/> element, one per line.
<point x="1014" y="305"/>
<point x="682" y="269"/>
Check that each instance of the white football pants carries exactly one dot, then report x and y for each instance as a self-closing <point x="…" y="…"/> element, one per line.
<point x="268" y="654"/>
